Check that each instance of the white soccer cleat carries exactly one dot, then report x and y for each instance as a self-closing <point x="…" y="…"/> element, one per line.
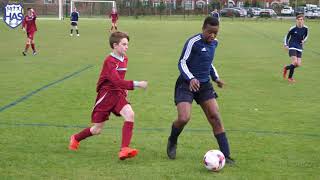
<point x="78" y="35"/>
<point x="71" y="34"/>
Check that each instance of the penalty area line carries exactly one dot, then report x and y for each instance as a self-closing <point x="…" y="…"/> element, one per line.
<point x="25" y="97"/>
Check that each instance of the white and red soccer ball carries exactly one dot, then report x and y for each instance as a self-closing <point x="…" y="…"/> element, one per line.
<point x="214" y="160"/>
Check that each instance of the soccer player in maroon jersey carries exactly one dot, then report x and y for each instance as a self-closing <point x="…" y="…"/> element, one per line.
<point x="112" y="97"/>
<point x="29" y="26"/>
<point x="114" y="17"/>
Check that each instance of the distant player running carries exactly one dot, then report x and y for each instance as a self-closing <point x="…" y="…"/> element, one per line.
<point x="114" y="18"/>
<point x="30" y="27"/>
<point x="74" y="21"/>
<point x="112" y="97"/>
<point x="294" y="42"/>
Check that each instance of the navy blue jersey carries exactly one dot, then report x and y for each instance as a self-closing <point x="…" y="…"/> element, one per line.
<point x="196" y="60"/>
<point x="74" y="16"/>
<point x="295" y="37"/>
<point x="215" y="14"/>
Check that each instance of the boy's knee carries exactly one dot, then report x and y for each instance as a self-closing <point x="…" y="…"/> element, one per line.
<point x="183" y="118"/>
<point x="129" y="116"/>
<point x="95" y="130"/>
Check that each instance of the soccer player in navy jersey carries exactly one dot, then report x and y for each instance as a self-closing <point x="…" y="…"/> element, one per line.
<point x="196" y="68"/>
<point x="74" y="17"/>
<point x="215" y="13"/>
<point x="294" y="42"/>
<point x="29" y="26"/>
<point x="112" y="97"/>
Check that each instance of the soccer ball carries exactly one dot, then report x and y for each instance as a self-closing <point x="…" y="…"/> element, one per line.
<point x="214" y="160"/>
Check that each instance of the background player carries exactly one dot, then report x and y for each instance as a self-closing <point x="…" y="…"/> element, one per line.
<point x="215" y="13"/>
<point x="30" y="27"/>
<point x="114" y="18"/>
<point x="111" y="98"/>
<point x="196" y="67"/>
<point x="74" y="21"/>
<point x="293" y="42"/>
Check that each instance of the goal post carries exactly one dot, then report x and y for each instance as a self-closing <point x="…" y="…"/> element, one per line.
<point x="92" y="8"/>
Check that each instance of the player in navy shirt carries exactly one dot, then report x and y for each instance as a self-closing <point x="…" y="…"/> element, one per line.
<point x="215" y="13"/>
<point x="196" y="68"/>
<point x="74" y="21"/>
<point x="294" y="41"/>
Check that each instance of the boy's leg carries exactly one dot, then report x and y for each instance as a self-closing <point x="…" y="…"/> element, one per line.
<point x="33" y="47"/>
<point x="87" y="132"/>
<point x="127" y="130"/>
<point x="77" y="30"/>
<point x="111" y="27"/>
<point x="294" y="64"/>
<point x="26" y="47"/>
<point x="184" y="111"/>
<point x="211" y="109"/>
<point x="71" y="31"/>
<point x="115" y="26"/>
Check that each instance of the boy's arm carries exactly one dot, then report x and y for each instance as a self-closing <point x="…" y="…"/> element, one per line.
<point x="112" y="75"/>
<point x="34" y="13"/>
<point x="24" y="24"/>
<point x="183" y="67"/>
<point x="215" y="76"/>
<point x="305" y="36"/>
<point x="286" y="38"/>
<point x="214" y="73"/>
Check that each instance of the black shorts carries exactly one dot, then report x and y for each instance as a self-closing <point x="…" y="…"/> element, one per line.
<point x="296" y="53"/>
<point x="74" y="23"/>
<point x="183" y="94"/>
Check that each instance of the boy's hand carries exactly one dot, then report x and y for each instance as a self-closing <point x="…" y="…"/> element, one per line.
<point x="286" y="47"/>
<point x="220" y="83"/>
<point x="143" y="84"/>
<point x="194" y="85"/>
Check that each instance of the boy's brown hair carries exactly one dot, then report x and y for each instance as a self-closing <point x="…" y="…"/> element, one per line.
<point x="300" y="16"/>
<point x="116" y="38"/>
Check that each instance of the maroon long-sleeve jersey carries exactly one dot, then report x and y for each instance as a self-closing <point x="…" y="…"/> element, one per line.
<point x="29" y="23"/>
<point x="113" y="73"/>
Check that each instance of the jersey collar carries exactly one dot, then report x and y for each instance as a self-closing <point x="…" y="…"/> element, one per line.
<point x="120" y="58"/>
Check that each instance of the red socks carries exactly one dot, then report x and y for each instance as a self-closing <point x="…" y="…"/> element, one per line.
<point x="83" y="134"/>
<point x="126" y="133"/>
<point x="33" y="48"/>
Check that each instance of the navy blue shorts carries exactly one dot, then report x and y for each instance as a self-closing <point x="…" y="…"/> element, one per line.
<point x="296" y="53"/>
<point x="183" y="94"/>
<point x="74" y="23"/>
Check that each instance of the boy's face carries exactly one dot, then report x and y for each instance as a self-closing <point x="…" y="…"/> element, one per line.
<point x="300" y="22"/>
<point x="29" y="12"/>
<point x="122" y="47"/>
<point x="210" y="33"/>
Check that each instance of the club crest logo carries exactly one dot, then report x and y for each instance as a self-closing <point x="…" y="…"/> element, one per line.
<point x="13" y="15"/>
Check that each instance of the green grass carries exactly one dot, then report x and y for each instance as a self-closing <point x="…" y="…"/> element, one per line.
<point x="273" y="126"/>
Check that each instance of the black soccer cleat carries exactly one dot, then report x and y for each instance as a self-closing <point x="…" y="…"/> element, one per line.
<point x="24" y="53"/>
<point x="171" y="149"/>
<point x="230" y="161"/>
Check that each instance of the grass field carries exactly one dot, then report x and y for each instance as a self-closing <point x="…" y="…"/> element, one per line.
<point x="273" y="126"/>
